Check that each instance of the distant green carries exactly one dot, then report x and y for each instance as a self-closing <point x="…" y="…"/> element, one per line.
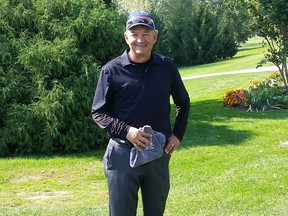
<point x="248" y="56"/>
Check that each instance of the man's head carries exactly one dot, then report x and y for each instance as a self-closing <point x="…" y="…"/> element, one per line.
<point x="140" y="35"/>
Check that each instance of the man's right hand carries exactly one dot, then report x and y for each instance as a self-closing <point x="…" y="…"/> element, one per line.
<point x="138" y="138"/>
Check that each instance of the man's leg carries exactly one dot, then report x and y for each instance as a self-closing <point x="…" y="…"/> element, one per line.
<point x="123" y="181"/>
<point x="155" y="186"/>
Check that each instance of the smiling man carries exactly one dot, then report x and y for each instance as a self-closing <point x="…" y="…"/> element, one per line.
<point x="134" y="90"/>
<point x="140" y="39"/>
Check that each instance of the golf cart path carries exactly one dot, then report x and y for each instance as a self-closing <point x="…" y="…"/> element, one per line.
<point x="252" y="70"/>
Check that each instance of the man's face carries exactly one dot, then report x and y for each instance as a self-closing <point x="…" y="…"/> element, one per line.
<point x="140" y="40"/>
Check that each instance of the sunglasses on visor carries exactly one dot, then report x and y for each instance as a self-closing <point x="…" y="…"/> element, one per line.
<point x="139" y="20"/>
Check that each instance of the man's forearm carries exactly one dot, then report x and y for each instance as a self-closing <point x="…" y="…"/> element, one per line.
<point x="181" y="120"/>
<point x="113" y="126"/>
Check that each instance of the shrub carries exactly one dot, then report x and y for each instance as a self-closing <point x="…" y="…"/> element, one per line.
<point x="263" y="94"/>
<point x="50" y="54"/>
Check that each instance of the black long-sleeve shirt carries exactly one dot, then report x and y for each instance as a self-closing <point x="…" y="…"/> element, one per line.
<point x="130" y="94"/>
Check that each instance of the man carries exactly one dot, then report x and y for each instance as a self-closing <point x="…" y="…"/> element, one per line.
<point x="134" y="90"/>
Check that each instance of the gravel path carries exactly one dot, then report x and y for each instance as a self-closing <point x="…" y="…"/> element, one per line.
<point x="252" y="70"/>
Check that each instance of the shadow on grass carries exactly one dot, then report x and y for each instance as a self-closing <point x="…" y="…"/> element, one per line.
<point x="205" y="134"/>
<point x="253" y="47"/>
<point x="209" y="124"/>
<point x="242" y="56"/>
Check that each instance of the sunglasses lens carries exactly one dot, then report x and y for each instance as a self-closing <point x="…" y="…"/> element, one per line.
<point x="138" y="20"/>
<point x="146" y="21"/>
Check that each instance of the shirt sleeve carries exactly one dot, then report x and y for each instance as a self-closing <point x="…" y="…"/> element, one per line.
<point x="181" y="120"/>
<point x="182" y="102"/>
<point x="113" y="126"/>
<point x="100" y="109"/>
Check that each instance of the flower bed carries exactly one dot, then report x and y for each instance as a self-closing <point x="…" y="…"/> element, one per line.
<point x="268" y="93"/>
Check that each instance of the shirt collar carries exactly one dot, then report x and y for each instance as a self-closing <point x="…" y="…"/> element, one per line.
<point x="125" y="60"/>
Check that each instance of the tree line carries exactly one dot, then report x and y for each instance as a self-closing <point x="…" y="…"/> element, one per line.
<point x="51" y="53"/>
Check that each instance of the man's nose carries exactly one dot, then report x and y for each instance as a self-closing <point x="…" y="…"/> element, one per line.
<point x="140" y="39"/>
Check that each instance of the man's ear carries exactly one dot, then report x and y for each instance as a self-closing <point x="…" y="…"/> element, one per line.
<point x="125" y="36"/>
<point x="156" y="35"/>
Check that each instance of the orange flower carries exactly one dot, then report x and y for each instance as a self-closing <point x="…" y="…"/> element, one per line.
<point x="235" y="98"/>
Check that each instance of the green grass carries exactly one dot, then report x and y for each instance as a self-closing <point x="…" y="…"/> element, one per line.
<point x="229" y="163"/>
<point x="248" y="56"/>
<point x="68" y="185"/>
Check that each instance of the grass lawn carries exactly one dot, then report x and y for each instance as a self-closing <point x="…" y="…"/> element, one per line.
<point x="248" y="56"/>
<point x="229" y="163"/>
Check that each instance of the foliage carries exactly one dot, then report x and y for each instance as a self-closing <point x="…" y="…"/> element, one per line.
<point x="238" y="17"/>
<point x="262" y="94"/>
<point x="197" y="32"/>
<point x="235" y="98"/>
<point x="271" y="23"/>
<point x="138" y="5"/>
<point x="50" y="54"/>
<point x="267" y="93"/>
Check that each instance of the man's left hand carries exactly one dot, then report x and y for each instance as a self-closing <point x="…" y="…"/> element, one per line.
<point x="173" y="143"/>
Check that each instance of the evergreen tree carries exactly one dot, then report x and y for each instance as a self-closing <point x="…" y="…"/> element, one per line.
<point x="50" y="57"/>
<point x="196" y="31"/>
